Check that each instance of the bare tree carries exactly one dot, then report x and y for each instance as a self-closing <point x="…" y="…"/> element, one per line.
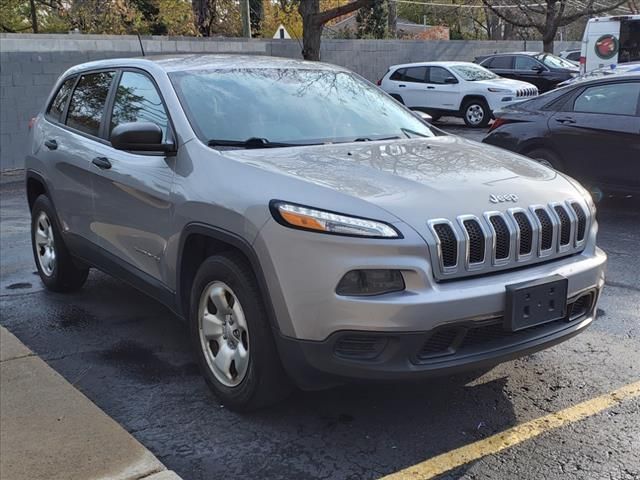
<point x="546" y="16"/>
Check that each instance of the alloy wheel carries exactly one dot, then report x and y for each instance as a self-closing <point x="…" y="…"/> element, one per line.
<point x="474" y="114"/>
<point x="45" y="244"/>
<point x="224" y="335"/>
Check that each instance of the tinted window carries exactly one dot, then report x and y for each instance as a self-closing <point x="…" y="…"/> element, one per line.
<point x="290" y="105"/>
<point x="438" y="74"/>
<point x="499" y="62"/>
<point x="617" y="99"/>
<point x="574" y="56"/>
<point x="137" y="100"/>
<point x="415" y="74"/>
<point x="56" y="108"/>
<point x="397" y="75"/>
<point x="555" y="62"/>
<point x="87" y="102"/>
<point x="526" y="63"/>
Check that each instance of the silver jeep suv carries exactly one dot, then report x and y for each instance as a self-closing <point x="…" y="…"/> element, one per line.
<point x="309" y="228"/>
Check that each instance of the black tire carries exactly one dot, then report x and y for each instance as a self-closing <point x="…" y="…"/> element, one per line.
<point x="481" y="107"/>
<point x="66" y="274"/>
<point x="546" y="157"/>
<point x="265" y="381"/>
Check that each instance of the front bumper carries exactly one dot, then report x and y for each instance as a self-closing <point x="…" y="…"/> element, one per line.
<point x="466" y="345"/>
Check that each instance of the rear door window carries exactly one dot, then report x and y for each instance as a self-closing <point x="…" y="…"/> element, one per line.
<point x="501" y="62"/>
<point x="613" y="99"/>
<point x="415" y="74"/>
<point x="138" y="100"/>
<point x="87" y="104"/>
<point x="57" y="106"/>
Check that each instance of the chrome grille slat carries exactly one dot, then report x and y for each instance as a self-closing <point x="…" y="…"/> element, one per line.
<point x="471" y="245"/>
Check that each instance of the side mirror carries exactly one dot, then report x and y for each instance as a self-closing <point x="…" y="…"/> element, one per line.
<point x="425" y="117"/>
<point x="139" y="137"/>
<point x="537" y="68"/>
<point x="450" y="80"/>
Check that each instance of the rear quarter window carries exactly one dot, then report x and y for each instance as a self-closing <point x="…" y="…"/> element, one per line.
<point x="397" y="75"/>
<point x="56" y="107"/>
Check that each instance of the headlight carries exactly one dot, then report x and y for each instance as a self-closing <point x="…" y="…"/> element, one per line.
<point x="306" y="218"/>
<point x="499" y="90"/>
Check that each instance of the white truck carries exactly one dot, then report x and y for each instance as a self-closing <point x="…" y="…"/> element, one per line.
<point x="608" y="41"/>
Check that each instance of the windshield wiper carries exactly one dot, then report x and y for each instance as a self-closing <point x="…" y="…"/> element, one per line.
<point x="253" y="142"/>
<point x="408" y="132"/>
<point x="367" y="139"/>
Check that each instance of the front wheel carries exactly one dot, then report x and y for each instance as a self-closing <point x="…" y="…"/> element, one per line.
<point x="476" y="113"/>
<point x="232" y="336"/>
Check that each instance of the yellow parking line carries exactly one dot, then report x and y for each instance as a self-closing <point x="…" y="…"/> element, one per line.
<point x="515" y="435"/>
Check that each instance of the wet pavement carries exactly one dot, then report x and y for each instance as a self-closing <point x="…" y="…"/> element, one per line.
<point x="132" y="357"/>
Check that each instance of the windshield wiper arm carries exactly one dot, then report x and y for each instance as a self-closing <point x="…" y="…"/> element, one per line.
<point x="367" y="139"/>
<point x="409" y="132"/>
<point x="253" y="142"/>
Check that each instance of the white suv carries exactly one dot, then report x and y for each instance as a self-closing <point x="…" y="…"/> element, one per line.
<point x="454" y="88"/>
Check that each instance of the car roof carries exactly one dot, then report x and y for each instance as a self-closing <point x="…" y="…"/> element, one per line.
<point x="514" y="53"/>
<point x="194" y="62"/>
<point x="606" y="79"/>
<point x="432" y="64"/>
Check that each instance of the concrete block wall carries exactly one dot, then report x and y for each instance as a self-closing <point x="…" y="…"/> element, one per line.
<point x="30" y="64"/>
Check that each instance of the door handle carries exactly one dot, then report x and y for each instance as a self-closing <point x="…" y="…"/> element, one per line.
<point x="51" y="144"/>
<point x="102" y="163"/>
<point x="430" y="88"/>
<point x="401" y="86"/>
<point x="565" y="120"/>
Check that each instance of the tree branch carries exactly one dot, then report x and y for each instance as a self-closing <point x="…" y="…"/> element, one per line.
<point x="332" y="13"/>
<point x="589" y="10"/>
<point x="511" y="20"/>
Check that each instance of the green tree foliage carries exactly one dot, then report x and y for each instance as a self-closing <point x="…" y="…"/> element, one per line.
<point x="373" y="20"/>
<point x="161" y="17"/>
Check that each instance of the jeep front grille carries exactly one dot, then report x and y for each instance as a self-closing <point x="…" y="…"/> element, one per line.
<point x="471" y="245"/>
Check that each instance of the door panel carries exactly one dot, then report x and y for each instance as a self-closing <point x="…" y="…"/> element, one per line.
<point x="441" y="95"/>
<point x="71" y="151"/>
<point x="598" y="136"/>
<point x="133" y="190"/>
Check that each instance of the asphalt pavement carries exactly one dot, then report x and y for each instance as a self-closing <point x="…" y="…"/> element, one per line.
<point x="132" y="357"/>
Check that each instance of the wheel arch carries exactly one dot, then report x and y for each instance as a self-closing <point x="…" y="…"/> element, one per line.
<point x="36" y="186"/>
<point x="472" y="96"/>
<point x="199" y="241"/>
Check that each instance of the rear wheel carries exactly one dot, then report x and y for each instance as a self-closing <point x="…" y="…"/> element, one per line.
<point x="476" y="113"/>
<point x="232" y="336"/>
<point x="56" y="267"/>
<point x="546" y="157"/>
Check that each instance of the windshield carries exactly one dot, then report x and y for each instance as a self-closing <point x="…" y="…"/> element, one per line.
<point x="473" y="72"/>
<point x="555" y="62"/>
<point x="293" y="106"/>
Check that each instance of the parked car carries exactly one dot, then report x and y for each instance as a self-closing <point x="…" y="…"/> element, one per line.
<point x="590" y="130"/>
<point x="308" y="227"/>
<point x="633" y="67"/>
<point x="543" y="70"/>
<point x="571" y="55"/>
<point x="461" y="89"/>
<point x="610" y="41"/>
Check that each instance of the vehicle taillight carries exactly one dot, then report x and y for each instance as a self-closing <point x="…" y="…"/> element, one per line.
<point x="379" y="82"/>
<point x="583" y="65"/>
<point x="498" y="122"/>
<point x="32" y="122"/>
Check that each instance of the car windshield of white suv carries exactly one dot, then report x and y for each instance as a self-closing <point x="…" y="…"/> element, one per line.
<point x="473" y="73"/>
<point x="265" y="107"/>
<point x="554" y="62"/>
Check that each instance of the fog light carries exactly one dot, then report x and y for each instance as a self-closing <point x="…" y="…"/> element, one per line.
<point x="370" y="282"/>
<point x="507" y="99"/>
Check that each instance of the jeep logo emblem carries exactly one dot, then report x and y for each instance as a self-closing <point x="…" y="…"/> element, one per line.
<point x="509" y="197"/>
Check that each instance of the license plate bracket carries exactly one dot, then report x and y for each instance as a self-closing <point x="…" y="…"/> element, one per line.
<point x="535" y="302"/>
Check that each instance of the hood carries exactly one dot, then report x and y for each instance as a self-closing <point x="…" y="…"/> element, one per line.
<point x="417" y="179"/>
<point x="504" y="83"/>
